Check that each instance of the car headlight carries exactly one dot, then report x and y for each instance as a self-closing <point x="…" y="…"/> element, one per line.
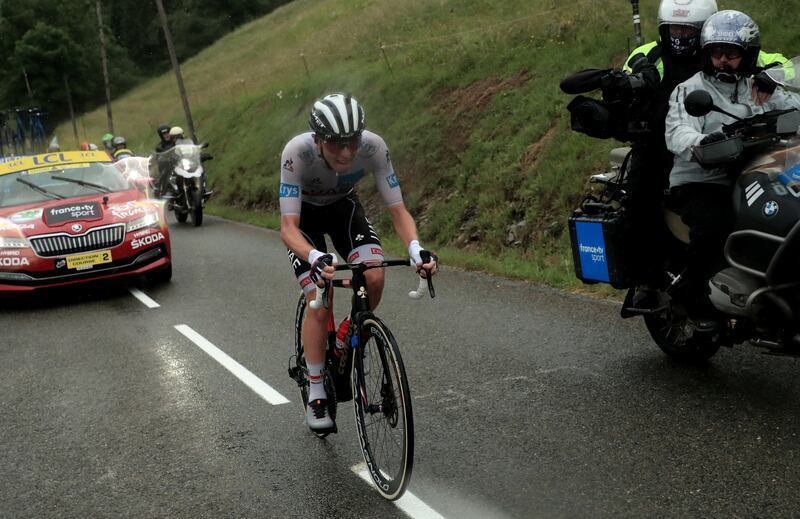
<point x="148" y="220"/>
<point x="7" y="242"/>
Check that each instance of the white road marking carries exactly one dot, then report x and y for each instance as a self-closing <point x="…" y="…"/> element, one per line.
<point x="409" y="503"/>
<point x="260" y="387"/>
<point x="141" y="296"/>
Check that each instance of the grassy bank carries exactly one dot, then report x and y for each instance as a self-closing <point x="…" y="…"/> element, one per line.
<point x="465" y="93"/>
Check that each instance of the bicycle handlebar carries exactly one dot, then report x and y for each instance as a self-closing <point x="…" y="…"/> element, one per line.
<point x="321" y="299"/>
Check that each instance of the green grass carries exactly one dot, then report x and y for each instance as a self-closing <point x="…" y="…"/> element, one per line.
<point x="471" y="110"/>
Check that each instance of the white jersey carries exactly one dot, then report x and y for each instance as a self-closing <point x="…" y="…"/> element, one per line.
<point x="306" y="177"/>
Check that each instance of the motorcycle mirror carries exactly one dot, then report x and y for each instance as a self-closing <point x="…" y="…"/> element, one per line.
<point x="699" y="103"/>
<point x="204" y="145"/>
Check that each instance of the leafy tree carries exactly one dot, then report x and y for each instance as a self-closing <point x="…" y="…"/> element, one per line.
<point x="52" y="37"/>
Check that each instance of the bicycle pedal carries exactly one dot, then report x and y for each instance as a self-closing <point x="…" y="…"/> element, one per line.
<point x="295" y="374"/>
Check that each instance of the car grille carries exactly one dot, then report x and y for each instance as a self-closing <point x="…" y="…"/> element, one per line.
<point x="62" y="244"/>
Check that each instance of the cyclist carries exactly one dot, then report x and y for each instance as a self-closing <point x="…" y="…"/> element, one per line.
<point x="121" y="150"/>
<point x="730" y="43"/>
<point x="319" y="170"/>
<point x="676" y="58"/>
<point x="108" y="143"/>
<point x="164" y="138"/>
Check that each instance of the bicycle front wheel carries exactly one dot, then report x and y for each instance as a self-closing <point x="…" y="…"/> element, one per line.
<point x="383" y="409"/>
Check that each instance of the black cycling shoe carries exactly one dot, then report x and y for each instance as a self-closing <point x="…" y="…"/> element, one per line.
<point x="317" y="416"/>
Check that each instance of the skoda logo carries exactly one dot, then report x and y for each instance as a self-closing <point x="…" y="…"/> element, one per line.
<point x="76" y="227"/>
<point x="771" y="209"/>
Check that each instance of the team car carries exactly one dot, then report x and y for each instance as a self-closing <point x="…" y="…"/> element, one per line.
<point x="76" y="216"/>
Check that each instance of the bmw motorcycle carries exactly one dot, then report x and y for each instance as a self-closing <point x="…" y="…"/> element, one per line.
<point x="183" y="180"/>
<point x="757" y="294"/>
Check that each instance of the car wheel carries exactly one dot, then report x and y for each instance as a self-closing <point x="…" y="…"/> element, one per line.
<point x="160" y="276"/>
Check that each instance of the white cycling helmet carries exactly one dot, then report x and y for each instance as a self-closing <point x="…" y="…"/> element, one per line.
<point x="690" y="13"/>
<point x="337" y="116"/>
<point x="176" y="131"/>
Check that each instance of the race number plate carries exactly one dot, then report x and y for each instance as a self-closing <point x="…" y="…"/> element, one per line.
<point x="88" y="260"/>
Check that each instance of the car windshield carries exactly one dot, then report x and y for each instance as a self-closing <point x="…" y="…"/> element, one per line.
<point x="32" y="186"/>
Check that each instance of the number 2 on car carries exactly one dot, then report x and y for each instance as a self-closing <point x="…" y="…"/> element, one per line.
<point x="86" y="260"/>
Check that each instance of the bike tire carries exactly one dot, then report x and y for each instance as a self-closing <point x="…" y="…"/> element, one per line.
<point x="181" y="216"/>
<point x="197" y="207"/>
<point x="300" y="363"/>
<point x="385" y="430"/>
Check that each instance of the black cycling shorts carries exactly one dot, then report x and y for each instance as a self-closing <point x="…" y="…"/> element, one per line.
<point x="351" y="233"/>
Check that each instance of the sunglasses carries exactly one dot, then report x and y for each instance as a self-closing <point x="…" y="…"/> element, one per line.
<point x="729" y="52"/>
<point x="337" y="144"/>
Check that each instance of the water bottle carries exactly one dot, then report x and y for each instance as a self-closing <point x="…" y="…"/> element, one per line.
<point x="341" y="336"/>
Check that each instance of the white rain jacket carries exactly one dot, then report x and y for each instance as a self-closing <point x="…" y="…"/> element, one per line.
<point x="685" y="131"/>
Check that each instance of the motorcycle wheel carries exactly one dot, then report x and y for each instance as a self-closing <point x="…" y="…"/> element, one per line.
<point x="181" y="216"/>
<point x="667" y="328"/>
<point x="197" y="207"/>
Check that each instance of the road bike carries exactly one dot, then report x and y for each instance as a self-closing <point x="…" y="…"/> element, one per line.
<point x="374" y="369"/>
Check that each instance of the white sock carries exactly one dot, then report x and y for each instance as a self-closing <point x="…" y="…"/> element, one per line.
<point x="316" y="388"/>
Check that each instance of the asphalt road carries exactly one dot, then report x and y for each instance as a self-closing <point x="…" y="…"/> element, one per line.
<point x="527" y="403"/>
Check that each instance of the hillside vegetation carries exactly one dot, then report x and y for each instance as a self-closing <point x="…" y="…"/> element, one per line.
<point x="465" y="92"/>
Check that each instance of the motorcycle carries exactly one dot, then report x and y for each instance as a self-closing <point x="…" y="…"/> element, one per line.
<point x="756" y="294"/>
<point x="182" y="180"/>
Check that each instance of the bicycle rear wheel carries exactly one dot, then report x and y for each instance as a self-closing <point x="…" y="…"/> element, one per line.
<point x="299" y="372"/>
<point x="382" y="402"/>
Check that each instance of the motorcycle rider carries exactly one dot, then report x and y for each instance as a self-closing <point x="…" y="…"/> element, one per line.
<point x="108" y="144"/>
<point x="318" y="172"/>
<point x="176" y="134"/>
<point x="730" y="45"/>
<point x="164" y="138"/>
<point x="166" y="161"/>
<point x="121" y="150"/>
<point x="676" y="57"/>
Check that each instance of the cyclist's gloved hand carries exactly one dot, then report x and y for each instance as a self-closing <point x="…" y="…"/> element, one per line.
<point x="423" y="259"/>
<point x="713" y="137"/>
<point x="322" y="264"/>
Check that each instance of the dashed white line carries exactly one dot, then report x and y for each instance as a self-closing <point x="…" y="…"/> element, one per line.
<point x="409" y="503"/>
<point x="260" y="387"/>
<point x="141" y="296"/>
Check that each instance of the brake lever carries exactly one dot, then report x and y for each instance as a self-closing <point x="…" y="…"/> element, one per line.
<point x="321" y="299"/>
<point x="426" y="257"/>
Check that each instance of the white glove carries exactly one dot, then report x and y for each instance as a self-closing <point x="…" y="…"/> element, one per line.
<point x="316" y="269"/>
<point x="314" y="255"/>
<point x="414" y="250"/>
